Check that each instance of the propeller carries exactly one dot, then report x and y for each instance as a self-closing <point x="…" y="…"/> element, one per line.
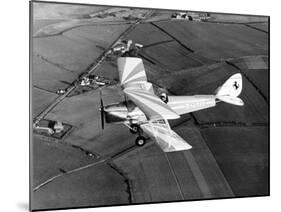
<point x="101" y="111"/>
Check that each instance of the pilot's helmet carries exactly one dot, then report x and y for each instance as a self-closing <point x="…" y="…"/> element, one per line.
<point x="164" y="97"/>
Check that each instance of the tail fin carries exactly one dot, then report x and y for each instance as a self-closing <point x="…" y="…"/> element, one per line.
<point x="230" y="90"/>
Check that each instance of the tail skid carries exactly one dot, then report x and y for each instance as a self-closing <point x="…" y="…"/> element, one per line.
<point x="230" y="90"/>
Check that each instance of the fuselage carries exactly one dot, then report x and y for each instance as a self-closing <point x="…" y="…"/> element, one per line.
<point x="124" y="111"/>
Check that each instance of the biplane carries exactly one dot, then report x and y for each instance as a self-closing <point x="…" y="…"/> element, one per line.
<point x="146" y="113"/>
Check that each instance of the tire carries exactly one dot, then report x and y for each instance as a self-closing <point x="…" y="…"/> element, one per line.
<point x="135" y="129"/>
<point x="140" y="141"/>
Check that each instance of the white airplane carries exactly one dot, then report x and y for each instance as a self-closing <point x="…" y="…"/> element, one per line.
<point x="144" y="112"/>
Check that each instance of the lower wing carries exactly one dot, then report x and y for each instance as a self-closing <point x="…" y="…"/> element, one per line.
<point x="165" y="137"/>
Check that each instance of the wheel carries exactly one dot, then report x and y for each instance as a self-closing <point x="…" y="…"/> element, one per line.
<point x="140" y="141"/>
<point x="134" y="128"/>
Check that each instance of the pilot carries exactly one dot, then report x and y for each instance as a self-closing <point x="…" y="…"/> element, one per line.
<point x="164" y="97"/>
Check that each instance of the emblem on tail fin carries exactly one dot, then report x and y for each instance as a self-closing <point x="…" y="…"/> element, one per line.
<point x="230" y="90"/>
<point x="236" y="85"/>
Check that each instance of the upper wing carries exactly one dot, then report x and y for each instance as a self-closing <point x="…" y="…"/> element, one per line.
<point x="133" y="79"/>
<point x="150" y="104"/>
<point x="166" y="138"/>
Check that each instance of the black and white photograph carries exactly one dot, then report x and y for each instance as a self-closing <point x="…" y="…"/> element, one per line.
<point x="135" y="105"/>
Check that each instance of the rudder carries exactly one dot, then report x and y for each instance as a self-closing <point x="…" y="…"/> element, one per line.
<point x="230" y="90"/>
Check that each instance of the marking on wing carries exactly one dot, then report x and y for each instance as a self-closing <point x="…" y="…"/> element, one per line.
<point x="139" y="77"/>
<point x="126" y="66"/>
<point x="139" y="69"/>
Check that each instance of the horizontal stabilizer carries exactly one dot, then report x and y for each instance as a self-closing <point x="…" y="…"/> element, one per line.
<point x="232" y="86"/>
<point x="231" y="100"/>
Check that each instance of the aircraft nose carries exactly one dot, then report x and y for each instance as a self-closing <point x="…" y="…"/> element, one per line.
<point x="106" y="109"/>
<point x="115" y="108"/>
<point x="110" y="108"/>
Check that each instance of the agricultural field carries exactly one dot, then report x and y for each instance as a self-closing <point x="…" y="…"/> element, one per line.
<point x="94" y="167"/>
<point x="218" y="41"/>
<point x="40" y="99"/>
<point x="242" y="154"/>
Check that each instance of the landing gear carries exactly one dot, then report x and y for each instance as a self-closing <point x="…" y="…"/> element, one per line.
<point x="134" y="128"/>
<point x="140" y="141"/>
